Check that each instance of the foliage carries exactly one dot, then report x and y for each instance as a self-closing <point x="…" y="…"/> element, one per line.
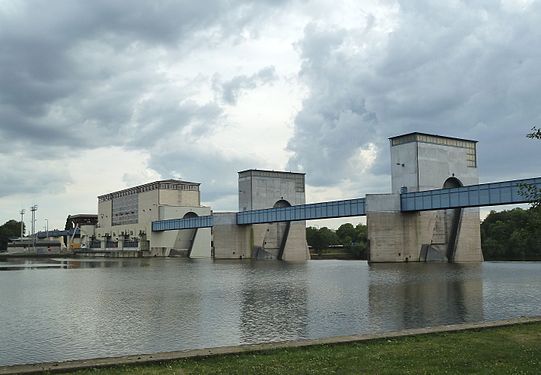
<point x="321" y="238"/>
<point x="10" y="229"/>
<point x="530" y="192"/>
<point x="535" y="134"/>
<point x="353" y="239"/>
<point x="513" y="349"/>
<point x="512" y="235"/>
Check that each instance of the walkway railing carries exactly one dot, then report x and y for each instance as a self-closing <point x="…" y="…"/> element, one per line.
<point x="324" y="210"/>
<point x="188" y="223"/>
<point x="491" y="194"/>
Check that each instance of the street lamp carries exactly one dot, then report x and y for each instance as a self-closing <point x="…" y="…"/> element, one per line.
<point x="47" y="228"/>
<point x="34" y="208"/>
<point x="22" y="223"/>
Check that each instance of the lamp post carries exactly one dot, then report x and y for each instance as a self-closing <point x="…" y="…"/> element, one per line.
<point x="22" y="223"/>
<point x="33" y="209"/>
<point x="47" y="228"/>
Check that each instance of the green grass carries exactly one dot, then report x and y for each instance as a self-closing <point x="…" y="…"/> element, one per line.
<point x="505" y="350"/>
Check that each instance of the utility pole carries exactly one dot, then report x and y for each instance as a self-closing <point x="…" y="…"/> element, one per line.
<point x="22" y="223"/>
<point x="47" y="228"/>
<point x="34" y="208"/>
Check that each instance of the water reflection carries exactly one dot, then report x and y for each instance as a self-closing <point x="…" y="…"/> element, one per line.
<point x="419" y="295"/>
<point x="87" y="308"/>
<point x="273" y="308"/>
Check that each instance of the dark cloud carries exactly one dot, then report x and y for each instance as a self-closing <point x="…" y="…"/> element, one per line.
<point x="80" y="71"/>
<point x="460" y="69"/>
<point x="215" y="169"/>
<point x="78" y="75"/>
<point x="232" y="89"/>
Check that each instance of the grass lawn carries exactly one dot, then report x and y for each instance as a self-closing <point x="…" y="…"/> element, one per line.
<point x="505" y="350"/>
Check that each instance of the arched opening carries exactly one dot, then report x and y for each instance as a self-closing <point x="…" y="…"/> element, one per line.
<point x="452" y="182"/>
<point x="190" y="215"/>
<point x="281" y="203"/>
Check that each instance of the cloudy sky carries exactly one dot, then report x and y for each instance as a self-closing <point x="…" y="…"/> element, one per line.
<point x="96" y="96"/>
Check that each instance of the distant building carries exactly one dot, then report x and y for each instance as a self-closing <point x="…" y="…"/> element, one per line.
<point x="125" y="219"/>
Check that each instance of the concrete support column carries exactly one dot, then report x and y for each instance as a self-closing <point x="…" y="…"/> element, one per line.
<point x="385" y="228"/>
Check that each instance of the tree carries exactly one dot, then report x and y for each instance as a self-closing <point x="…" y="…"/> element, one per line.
<point x="10" y="229"/>
<point x="321" y="238"/>
<point x="535" y="134"/>
<point x="354" y="239"/>
<point x="531" y="192"/>
<point x="512" y="235"/>
<point x="346" y="234"/>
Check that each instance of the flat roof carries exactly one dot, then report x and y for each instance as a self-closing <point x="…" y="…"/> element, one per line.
<point x="153" y="185"/>
<point x="270" y="171"/>
<point x="433" y="135"/>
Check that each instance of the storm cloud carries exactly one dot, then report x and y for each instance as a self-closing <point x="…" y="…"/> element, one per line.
<point x="201" y="90"/>
<point x="231" y="89"/>
<point x="464" y="69"/>
<point x="81" y="75"/>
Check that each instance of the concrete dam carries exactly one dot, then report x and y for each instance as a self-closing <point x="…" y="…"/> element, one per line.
<point x="430" y="215"/>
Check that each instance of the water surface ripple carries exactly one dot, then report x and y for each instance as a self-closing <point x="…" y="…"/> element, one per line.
<point x="58" y="310"/>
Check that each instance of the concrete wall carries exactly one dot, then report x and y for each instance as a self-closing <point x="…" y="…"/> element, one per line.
<point x="262" y="189"/>
<point x="469" y="242"/>
<point x="424" y="166"/>
<point x="444" y="235"/>
<point x="105" y="210"/>
<point x="230" y="241"/>
<point x="179" y="197"/>
<point x="266" y="189"/>
<point x="392" y="235"/>
<point x="258" y="190"/>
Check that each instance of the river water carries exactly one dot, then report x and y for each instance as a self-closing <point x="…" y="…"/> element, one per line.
<point x="57" y="310"/>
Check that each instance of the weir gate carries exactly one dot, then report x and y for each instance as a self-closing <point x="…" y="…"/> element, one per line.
<point x="431" y="215"/>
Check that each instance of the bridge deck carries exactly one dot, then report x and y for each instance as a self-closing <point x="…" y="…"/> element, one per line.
<point x="323" y="210"/>
<point x="491" y="194"/>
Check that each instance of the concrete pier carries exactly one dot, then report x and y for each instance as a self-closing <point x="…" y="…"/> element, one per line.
<point x="260" y="189"/>
<point x="423" y="162"/>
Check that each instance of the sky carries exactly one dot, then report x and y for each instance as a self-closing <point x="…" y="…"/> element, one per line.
<point x="97" y="96"/>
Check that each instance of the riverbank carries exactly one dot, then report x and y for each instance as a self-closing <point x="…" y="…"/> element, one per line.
<point x="506" y="346"/>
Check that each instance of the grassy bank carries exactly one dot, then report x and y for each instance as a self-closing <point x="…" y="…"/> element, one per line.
<point x="504" y="350"/>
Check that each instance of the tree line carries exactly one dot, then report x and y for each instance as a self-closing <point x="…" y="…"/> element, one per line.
<point x="353" y="239"/>
<point x="10" y="229"/>
<point x="512" y="234"/>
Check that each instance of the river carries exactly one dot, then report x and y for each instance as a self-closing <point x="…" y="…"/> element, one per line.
<point x="62" y="309"/>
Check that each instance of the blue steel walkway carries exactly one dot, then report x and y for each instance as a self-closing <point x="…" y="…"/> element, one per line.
<point x="491" y="194"/>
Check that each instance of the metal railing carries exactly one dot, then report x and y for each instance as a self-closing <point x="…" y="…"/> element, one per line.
<point x="187" y="223"/>
<point x="496" y="193"/>
<point x="491" y="194"/>
<point x="323" y="210"/>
